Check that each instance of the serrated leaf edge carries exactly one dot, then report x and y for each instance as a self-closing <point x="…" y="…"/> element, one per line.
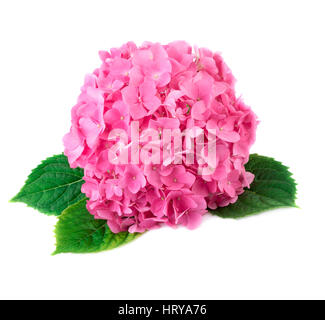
<point x="257" y="211"/>
<point x="62" y="216"/>
<point x="19" y="195"/>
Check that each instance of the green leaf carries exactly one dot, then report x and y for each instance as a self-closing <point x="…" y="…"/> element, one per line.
<point x="273" y="187"/>
<point x="52" y="186"/>
<point x="78" y="232"/>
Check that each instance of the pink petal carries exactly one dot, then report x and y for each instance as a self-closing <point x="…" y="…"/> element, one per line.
<point x="229" y="136"/>
<point x="197" y="110"/>
<point x="188" y="179"/>
<point x="219" y="88"/>
<point x="90" y="130"/>
<point x="152" y="104"/>
<point x="194" y="219"/>
<point x="147" y="89"/>
<point x="133" y="186"/>
<point x="163" y="80"/>
<point x="137" y="111"/>
<point x="130" y="95"/>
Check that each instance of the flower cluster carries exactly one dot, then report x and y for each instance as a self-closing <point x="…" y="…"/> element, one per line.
<point x="161" y="88"/>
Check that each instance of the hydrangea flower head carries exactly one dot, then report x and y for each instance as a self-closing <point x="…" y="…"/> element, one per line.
<point x="161" y="136"/>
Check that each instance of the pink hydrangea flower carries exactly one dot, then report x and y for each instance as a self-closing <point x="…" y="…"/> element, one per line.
<point x="142" y="100"/>
<point x="168" y="89"/>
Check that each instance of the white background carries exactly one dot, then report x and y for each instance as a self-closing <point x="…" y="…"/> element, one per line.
<point x="276" y="50"/>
